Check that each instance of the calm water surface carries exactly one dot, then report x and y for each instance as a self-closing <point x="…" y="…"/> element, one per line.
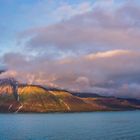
<point x="72" y="126"/>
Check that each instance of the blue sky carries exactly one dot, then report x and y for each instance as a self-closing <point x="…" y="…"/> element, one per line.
<point x="74" y="44"/>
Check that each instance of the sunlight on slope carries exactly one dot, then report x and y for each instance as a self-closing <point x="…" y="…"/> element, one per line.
<point x="30" y="89"/>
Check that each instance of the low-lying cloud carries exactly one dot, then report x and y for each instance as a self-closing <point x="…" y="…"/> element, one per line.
<point x="103" y="72"/>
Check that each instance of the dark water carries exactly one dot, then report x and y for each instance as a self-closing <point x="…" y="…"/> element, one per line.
<point x="72" y="126"/>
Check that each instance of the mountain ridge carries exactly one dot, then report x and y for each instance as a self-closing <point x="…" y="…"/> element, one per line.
<point x="40" y="99"/>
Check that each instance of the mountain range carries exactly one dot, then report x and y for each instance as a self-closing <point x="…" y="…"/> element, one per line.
<point x="39" y="99"/>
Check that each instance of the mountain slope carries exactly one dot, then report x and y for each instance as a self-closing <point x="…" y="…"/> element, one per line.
<point x="38" y="99"/>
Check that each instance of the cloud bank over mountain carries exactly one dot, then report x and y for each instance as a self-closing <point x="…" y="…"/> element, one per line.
<point x="91" y="46"/>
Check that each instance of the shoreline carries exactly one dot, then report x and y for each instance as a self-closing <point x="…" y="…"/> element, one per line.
<point x="74" y="112"/>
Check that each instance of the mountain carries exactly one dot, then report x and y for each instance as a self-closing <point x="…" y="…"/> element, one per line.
<point x="86" y="95"/>
<point x="35" y="98"/>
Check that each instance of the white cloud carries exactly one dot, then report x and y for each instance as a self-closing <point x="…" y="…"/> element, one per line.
<point x="90" y="31"/>
<point x="66" y="11"/>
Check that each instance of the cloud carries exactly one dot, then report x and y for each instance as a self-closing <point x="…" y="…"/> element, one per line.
<point x="93" y="48"/>
<point x="66" y="11"/>
<point x="105" y="72"/>
<point x="108" y="54"/>
<point x="102" y="28"/>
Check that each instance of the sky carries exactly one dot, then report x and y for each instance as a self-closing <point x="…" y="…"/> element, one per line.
<point x="79" y="45"/>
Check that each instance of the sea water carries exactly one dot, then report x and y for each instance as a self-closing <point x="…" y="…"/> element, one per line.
<point x="71" y="126"/>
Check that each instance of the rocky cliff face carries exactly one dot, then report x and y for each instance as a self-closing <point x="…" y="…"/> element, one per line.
<point x="8" y="95"/>
<point x="30" y="98"/>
